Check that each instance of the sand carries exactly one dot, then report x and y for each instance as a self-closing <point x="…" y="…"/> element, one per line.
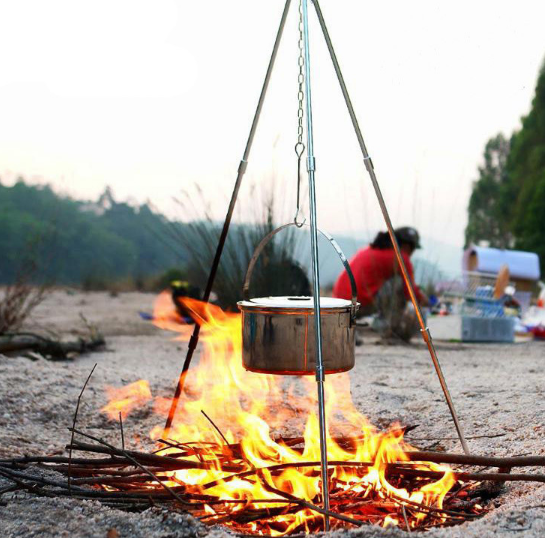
<point x="497" y="389"/>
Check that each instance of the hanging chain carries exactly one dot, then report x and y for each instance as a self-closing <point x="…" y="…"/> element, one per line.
<point x="299" y="146"/>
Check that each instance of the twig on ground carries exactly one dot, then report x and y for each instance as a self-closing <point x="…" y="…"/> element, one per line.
<point x="405" y="518"/>
<point x="74" y="424"/>
<point x="215" y="427"/>
<point x="492" y="436"/>
<point x="122" y="434"/>
<point x="133" y="460"/>
<point x="463" y="459"/>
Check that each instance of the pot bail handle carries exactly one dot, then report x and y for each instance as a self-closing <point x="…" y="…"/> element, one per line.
<point x="334" y="244"/>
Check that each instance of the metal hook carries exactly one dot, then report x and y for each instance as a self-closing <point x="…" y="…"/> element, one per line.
<point x="296" y="222"/>
<point x="299" y="150"/>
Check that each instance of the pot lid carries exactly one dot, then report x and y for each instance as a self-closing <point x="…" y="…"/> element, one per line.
<point x="291" y="302"/>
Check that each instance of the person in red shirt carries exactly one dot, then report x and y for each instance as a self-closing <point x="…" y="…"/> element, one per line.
<point x="380" y="285"/>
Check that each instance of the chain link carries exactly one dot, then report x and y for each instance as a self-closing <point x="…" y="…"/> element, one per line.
<point x="301" y="77"/>
<point x="299" y="146"/>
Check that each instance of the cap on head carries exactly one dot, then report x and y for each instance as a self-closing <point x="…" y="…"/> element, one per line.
<point x="406" y="234"/>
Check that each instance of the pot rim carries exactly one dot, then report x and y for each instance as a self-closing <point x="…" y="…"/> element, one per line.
<point x="294" y="305"/>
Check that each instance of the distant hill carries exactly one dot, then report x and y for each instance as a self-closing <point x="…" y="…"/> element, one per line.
<point x="58" y="239"/>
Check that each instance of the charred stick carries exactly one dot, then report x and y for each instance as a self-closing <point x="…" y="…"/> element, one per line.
<point x="129" y="457"/>
<point x="463" y="459"/>
<point x="186" y="450"/>
<point x="425" y="508"/>
<point x="8" y="489"/>
<point x="114" y="496"/>
<point x="78" y="491"/>
<point x="151" y="459"/>
<point x="474" y="477"/>
<point x="118" y="480"/>
<point x="197" y="451"/>
<point x="215" y="427"/>
<point x="164" y="461"/>
<point x="121" y="431"/>
<point x="282" y="466"/>
<point x="405" y="518"/>
<point x="74" y="421"/>
<point x="170" y="444"/>
<point x="307" y="504"/>
<point x="13" y="475"/>
<point x="87" y="472"/>
<point x="96" y="462"/>
<point x="491" y="436"/>
<point x="32" y="488"/>
<point x="393" y="468"/>
<point x="234" y="450"/>
<point x="43" y="481"/>
<point x="444" y="457"/>
<point x="248" y="515"/>
<point x="165" y="464"/>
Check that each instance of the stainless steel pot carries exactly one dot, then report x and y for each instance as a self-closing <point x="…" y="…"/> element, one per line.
<point x="278" y="335"/>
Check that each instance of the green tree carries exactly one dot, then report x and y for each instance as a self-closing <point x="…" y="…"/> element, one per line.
<point x="526" y="166"/>
<point x="70" y="241"/>
<point x="488" y="217"/>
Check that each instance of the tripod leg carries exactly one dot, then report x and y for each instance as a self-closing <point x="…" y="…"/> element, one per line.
<point x="194" y="340"/>
<point x="369" y="166"/>
<point x="320" y="375"/>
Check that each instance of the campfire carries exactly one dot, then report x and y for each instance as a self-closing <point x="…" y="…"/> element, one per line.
<point x="232" y="436"/>
<point x="244" y="453"/>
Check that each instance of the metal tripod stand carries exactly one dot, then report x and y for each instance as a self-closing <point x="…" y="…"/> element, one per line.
<point x="320" y="377"/>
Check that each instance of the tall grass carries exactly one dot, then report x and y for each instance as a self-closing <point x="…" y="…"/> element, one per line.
<point x="21" y="297"/>
<point x="276" y="272"/>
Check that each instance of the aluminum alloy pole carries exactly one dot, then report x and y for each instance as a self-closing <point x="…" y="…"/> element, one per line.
<point x="426" y="335"/>
<point x="320" y="373"/>
<point x="194" y="340"/>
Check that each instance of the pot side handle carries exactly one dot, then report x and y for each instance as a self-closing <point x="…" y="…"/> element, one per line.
<point x="334" y="244"/>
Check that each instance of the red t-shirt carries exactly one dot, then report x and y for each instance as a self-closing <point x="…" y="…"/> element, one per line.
<point x="372" y="267"/>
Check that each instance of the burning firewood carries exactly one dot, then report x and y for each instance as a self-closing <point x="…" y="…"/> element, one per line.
<point x="226" y="467"/>
<point x="133" y="480"/>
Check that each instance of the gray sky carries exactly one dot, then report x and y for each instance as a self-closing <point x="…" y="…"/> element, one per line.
<point x="152" y="97"/>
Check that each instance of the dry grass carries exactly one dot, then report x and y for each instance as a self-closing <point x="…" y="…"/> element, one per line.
<point x="17" y="302"/>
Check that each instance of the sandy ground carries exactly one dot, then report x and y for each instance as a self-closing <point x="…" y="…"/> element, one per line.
<point x="498" y="390"/>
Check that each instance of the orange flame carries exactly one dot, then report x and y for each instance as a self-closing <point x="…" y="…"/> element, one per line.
<point x="125" y="399"/>
<point x="255" y="409"/>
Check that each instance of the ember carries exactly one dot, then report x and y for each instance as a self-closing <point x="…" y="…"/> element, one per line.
<point x="262" y="483"/>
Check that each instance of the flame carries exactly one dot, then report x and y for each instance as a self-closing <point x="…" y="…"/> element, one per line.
<point x="125" y="399"/>
<point x="253" y="410"/>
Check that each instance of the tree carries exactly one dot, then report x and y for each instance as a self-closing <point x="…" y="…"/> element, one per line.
<point x="71" y="241"/>
<point x="526" y="167"/>
<point x="488" y="216"/>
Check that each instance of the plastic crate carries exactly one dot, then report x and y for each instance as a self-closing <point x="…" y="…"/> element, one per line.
<point x="483" y="329"/>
